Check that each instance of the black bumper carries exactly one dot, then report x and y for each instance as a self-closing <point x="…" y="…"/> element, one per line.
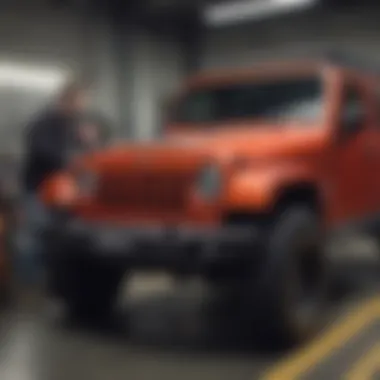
<point x="177" y="248"/>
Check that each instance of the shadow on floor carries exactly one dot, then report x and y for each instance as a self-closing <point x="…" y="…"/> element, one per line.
<point x="204" y="324"/>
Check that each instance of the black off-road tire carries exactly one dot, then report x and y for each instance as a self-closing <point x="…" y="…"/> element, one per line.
<point x="88" y="288"/>
<point x="263" y="301"/>
<point x="294" y="278"/>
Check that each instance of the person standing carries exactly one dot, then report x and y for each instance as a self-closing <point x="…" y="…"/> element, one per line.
<point x="52" y="135"/>
<point x="49" y="142"/>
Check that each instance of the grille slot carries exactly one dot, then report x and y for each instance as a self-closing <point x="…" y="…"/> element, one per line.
<point x="144" y="191"/>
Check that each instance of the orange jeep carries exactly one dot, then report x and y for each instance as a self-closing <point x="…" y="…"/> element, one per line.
<point x="253" y="171"/>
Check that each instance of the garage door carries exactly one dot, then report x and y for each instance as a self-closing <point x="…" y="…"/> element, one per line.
<point x="298" y="35"/>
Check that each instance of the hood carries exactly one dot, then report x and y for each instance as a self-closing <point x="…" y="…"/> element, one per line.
<point x="184" y="149"/>
<point x="266" y="141"/>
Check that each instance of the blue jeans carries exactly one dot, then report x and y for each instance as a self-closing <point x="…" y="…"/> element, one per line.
<point x="29" y="245"/>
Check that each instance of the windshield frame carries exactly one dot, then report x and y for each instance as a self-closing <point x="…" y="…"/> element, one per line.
<point x="318" y="75"/>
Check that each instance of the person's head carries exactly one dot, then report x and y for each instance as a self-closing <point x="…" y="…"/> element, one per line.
<point x="73" y="98"/>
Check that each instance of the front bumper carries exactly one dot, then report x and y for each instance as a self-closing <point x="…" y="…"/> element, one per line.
<point x="179" y="248"/>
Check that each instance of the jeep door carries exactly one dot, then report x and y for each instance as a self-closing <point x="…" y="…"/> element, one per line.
<point x="352" y="163"/>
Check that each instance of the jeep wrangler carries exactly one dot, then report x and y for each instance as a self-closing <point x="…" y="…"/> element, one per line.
<point x="254" y="172"/>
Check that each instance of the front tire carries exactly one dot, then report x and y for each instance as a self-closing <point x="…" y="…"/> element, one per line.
<point x="88" y="288"/>
<point x="292" y="290"/>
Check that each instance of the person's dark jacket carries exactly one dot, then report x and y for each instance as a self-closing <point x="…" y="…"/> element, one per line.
<point x="48" y="142"/>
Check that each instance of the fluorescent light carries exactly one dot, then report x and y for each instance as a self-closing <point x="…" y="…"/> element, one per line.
<point x="17" y="75"/>
<point x="236" y="11"/>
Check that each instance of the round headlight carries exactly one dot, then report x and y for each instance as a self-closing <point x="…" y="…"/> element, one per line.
<point x="209" y="181"/>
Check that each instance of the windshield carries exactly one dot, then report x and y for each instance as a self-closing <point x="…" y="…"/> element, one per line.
<point x="295" y="99"/>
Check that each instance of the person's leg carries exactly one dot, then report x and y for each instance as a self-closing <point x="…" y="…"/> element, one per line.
<point x="29" y="247"/>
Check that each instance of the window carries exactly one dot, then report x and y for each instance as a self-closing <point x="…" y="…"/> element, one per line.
<point x="296" y="99"/>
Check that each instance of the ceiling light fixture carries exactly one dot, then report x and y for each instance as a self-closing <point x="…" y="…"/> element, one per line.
<point x="18" y="75"/>
<point x="237" y="11"/>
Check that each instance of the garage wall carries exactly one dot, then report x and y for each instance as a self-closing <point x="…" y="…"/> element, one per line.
<point x="34" y="39"/>
<point x="99" y="64"/>
<point x="63" y="40"/>
<point x="67" y="41"/>
<point x="158" y="69"/>
<point x="288" y="37"/>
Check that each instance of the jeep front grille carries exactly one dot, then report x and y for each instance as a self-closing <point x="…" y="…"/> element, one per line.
<point x="144" y="191"/>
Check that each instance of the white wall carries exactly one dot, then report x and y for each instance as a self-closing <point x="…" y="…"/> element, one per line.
<point x="100" y="63"/>
<point x="61" y="40"/>
<point x="72" y="43"/>
<point x="38" y="40"/>
<point x="288" y="37"/>
<point x="157" y="72"/>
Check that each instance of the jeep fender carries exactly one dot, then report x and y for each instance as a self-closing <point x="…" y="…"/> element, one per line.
<point x="259" y="189"/>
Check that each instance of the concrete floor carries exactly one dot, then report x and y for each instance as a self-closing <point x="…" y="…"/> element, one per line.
<point x="172" y="338"/>
<point x="169" y="340"/>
